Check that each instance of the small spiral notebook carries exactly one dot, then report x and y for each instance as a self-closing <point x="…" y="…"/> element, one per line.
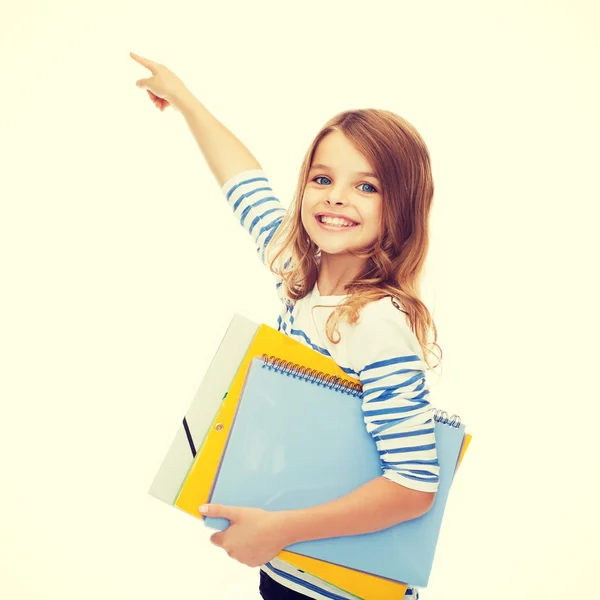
<point x="325" y="455"/>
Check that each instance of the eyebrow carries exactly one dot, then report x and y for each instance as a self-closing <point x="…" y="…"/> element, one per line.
<point x="363" y="173"/>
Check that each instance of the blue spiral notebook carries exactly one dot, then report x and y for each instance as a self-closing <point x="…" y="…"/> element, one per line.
<point x="298" y="441"/>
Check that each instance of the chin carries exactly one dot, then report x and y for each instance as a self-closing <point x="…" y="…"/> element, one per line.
<point x="333" y="249"/>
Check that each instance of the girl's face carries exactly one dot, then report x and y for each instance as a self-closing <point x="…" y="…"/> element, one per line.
<point x="341" y="182"/>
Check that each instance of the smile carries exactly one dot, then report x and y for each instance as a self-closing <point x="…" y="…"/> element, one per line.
<point x="332" y="227"/>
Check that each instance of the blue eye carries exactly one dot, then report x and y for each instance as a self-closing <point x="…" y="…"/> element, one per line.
<point x="373" y="189"/>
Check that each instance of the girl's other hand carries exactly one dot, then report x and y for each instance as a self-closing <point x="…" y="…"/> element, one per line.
<point x="164" y="87"/>
<point x="254" y="536"/>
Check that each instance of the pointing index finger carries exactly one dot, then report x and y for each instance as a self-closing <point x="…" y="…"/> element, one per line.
<point x="145" y="62"/>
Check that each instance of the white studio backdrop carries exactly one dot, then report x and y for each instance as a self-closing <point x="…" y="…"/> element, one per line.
<point x="121" y="266"/>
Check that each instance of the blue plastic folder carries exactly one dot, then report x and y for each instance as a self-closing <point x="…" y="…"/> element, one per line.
<point x="298" y="442"/>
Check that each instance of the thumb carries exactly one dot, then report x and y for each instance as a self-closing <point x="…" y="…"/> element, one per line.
<point x="217" y="538"/>
<point x="219" y="511"/>
<point x="143" y="83"/>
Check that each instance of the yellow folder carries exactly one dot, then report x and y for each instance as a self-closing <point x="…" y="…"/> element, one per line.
<point x="198" y="485"/>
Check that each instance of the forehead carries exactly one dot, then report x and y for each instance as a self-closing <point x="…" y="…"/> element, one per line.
<point x="338" y="153"/>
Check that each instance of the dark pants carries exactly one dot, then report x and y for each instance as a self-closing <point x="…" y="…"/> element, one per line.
<point x="271" y="590"/>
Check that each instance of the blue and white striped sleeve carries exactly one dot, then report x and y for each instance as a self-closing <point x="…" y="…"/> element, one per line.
<point x="388" y="359"/>
<point x="256" y="206"/>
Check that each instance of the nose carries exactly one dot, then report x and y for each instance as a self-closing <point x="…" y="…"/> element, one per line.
<point x="336" y="196"/>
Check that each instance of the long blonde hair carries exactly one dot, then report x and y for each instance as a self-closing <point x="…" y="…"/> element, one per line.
<point x="395" y="262"/>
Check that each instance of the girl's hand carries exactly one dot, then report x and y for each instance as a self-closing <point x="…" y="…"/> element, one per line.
<point x="254" y="537"/>
<point x="164" y="87"/>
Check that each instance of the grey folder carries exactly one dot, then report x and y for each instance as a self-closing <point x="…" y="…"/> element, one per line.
<point x="203" y="409"/>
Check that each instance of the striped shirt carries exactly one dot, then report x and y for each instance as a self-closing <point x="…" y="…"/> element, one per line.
<point x="380" y="350"/>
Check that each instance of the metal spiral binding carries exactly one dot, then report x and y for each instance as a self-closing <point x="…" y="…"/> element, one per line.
<point x="313" y="376"/>
<point x="441" y="416"/>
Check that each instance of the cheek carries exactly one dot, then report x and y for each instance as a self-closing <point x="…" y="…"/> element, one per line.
<point x="375" y="224"/>
<point x="305" y="219"/>
<point x="374" y="217"/>
<point x="378" y="217"/>
<point x="304" y="214"/>
<point x="306" y="208"/>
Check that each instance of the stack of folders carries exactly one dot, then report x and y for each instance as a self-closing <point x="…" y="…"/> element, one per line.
<point x="237" y="446"/>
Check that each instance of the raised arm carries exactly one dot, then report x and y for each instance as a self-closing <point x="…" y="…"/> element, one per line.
<point x="239" y="174"/>
<point x="224" y="152"/>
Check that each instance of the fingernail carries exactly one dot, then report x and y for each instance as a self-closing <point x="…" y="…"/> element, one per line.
<point x="204" y="508"/>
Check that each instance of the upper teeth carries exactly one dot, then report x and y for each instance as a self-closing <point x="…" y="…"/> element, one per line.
<point x="336" y="221"/>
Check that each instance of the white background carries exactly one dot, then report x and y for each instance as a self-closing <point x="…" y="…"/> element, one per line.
<point x="121" y="267"/>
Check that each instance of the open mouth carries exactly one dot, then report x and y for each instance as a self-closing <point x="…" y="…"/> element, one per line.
<point x="335" y="224"/>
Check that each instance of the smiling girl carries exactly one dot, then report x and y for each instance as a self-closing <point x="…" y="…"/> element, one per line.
<point x="347" y="259"/>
